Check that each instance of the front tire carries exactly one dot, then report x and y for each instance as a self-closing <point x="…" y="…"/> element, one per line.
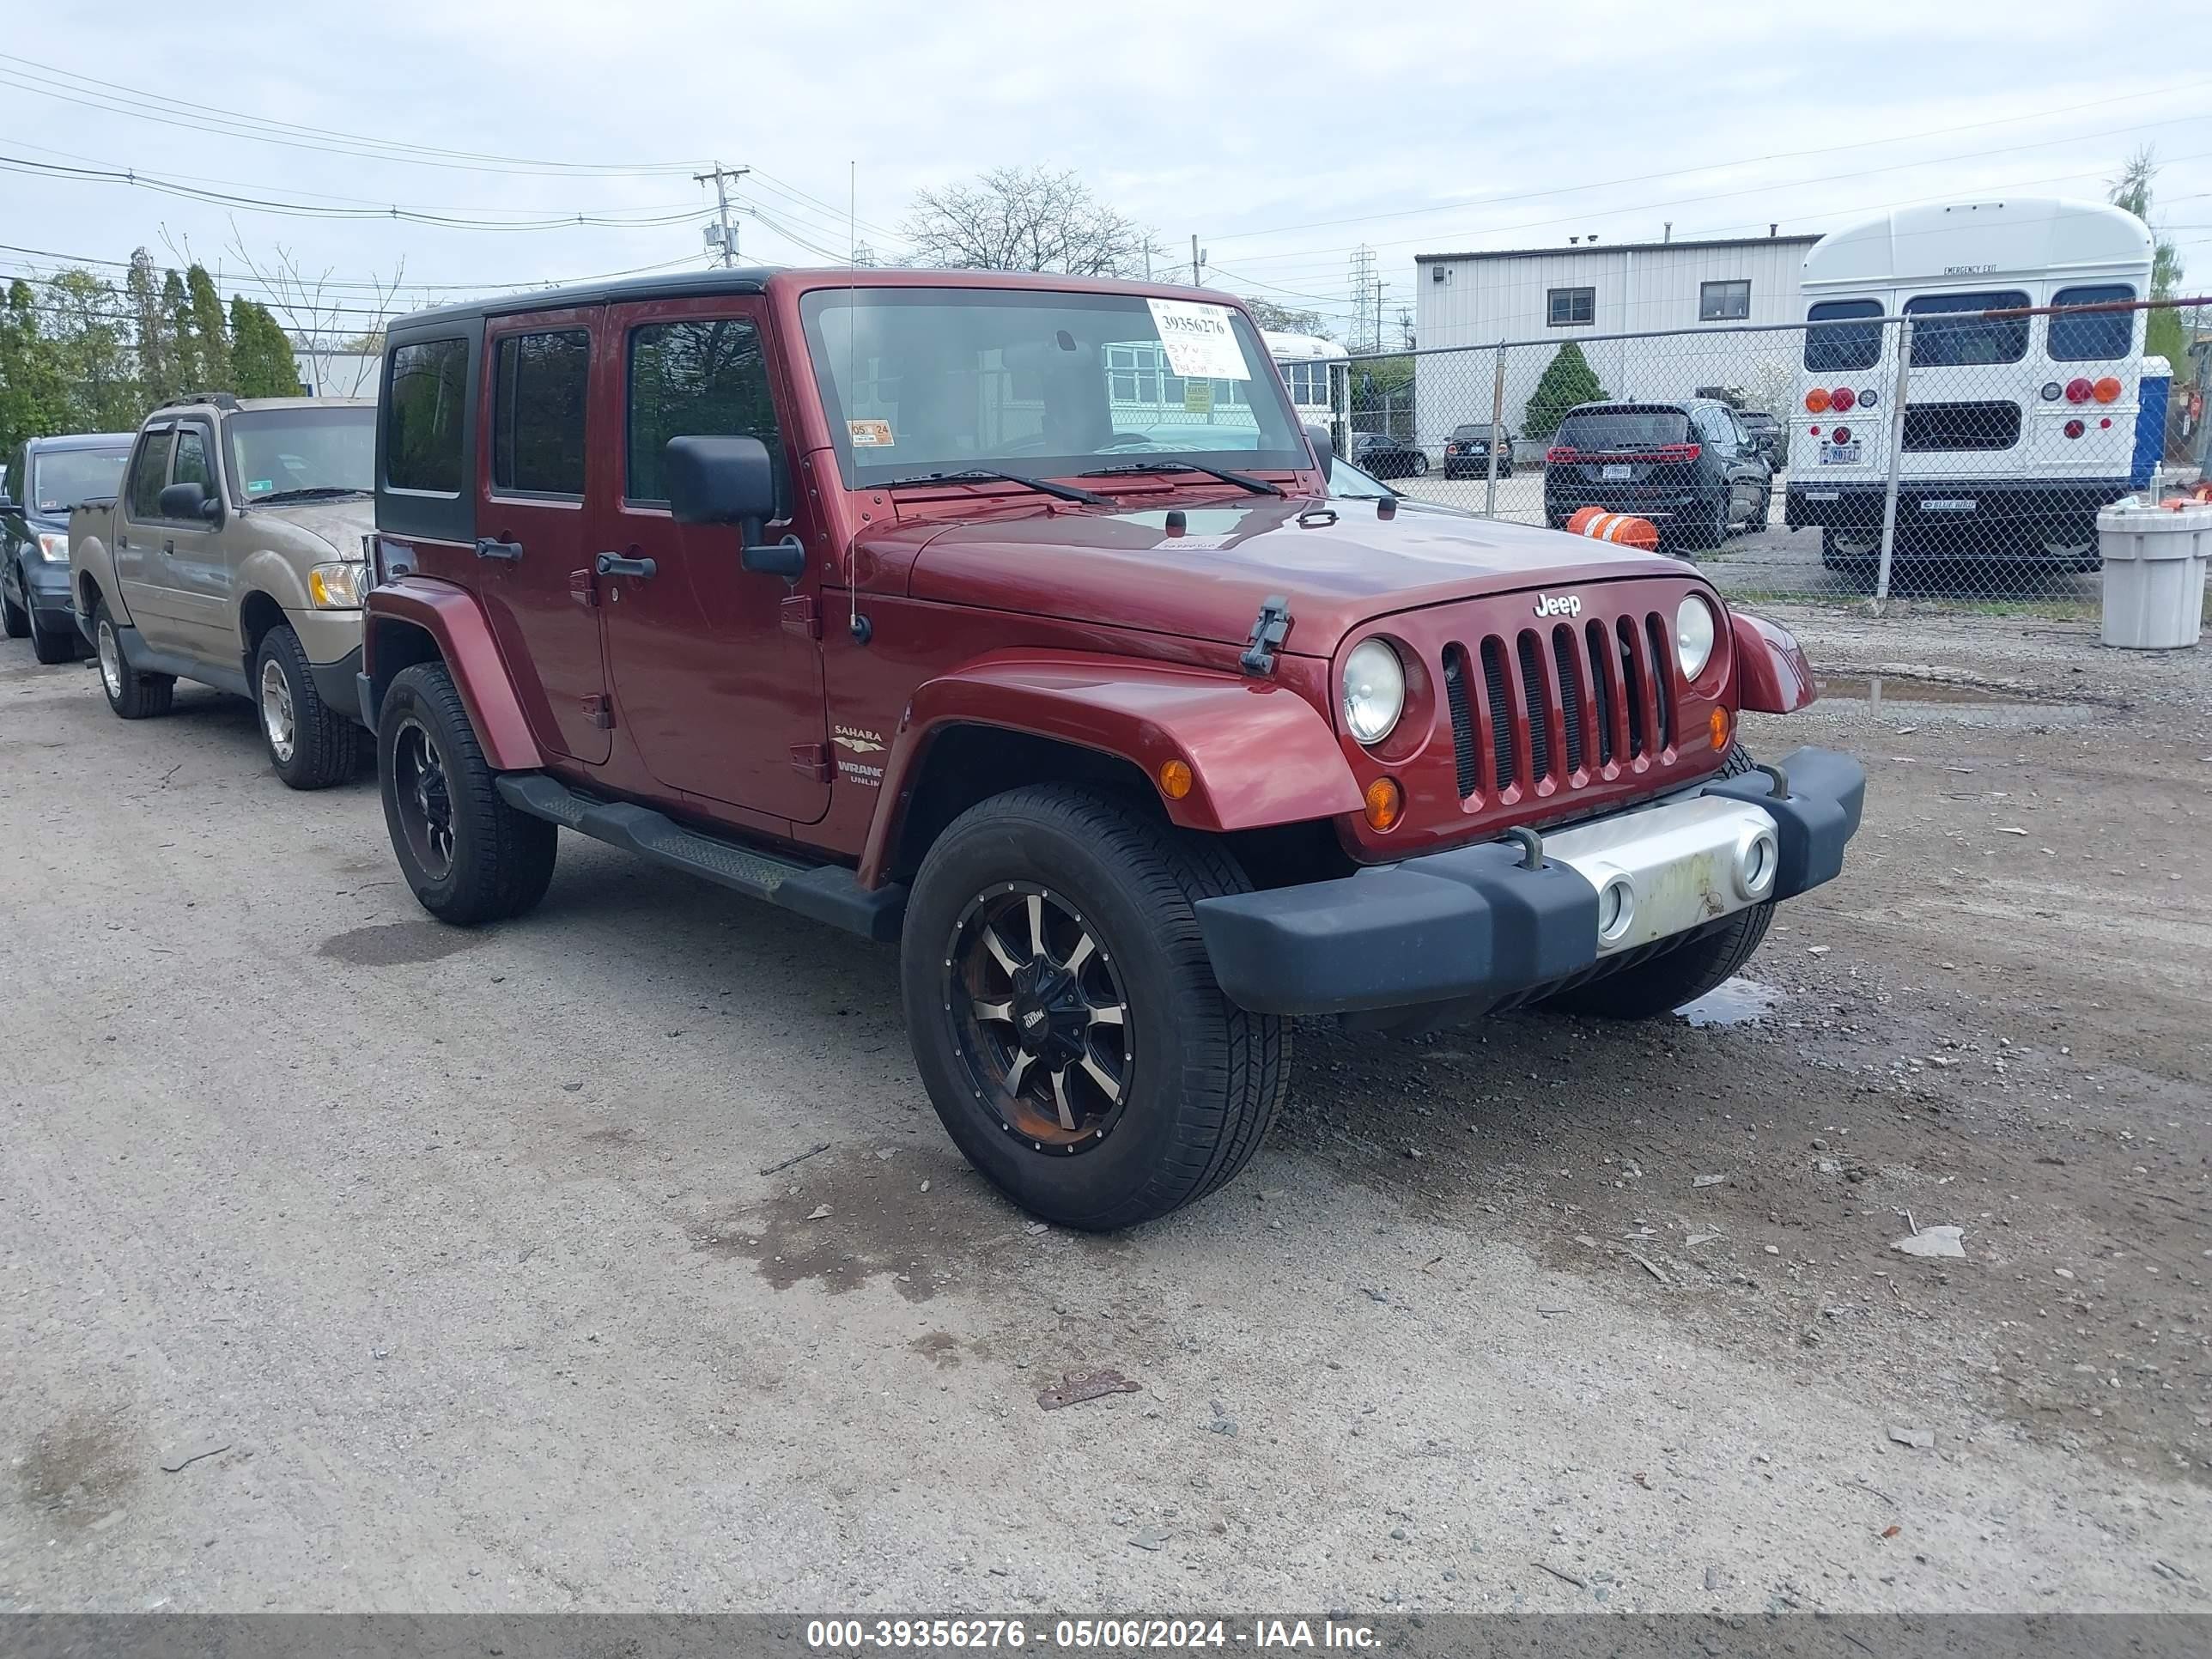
<point x="310" y="744"/>
<point x="133" y="696"/>
<point x="1419" y="466"/>
<point x="1065" y="1017"/>
<point x="468" y="855"/>
<point x="14" y="617"/>
<point x="49" y="645"/>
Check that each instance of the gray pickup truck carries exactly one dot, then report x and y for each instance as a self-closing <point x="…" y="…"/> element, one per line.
<point x="233" y="557"/>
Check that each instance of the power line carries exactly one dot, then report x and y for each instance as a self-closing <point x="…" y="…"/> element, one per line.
<point x="377" y="284"/>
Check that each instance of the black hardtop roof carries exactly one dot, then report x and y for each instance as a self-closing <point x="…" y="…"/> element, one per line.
<point x="671" y="285"/>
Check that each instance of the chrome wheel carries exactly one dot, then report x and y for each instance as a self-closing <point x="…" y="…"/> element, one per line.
<point x="420" y="791"/>
<point x="1039" y="1016"/>
<point x="111" y="661"/>
<point x="276" y="718"/>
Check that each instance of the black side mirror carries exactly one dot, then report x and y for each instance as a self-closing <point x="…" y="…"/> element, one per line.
<point x="1324" y="451"/>
<point x="189" y="500"/>
<point x="718" y="480"/>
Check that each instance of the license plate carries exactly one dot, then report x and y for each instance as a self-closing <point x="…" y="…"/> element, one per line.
<point x="1614" y="474"/>
<point x="1840" y="455"/>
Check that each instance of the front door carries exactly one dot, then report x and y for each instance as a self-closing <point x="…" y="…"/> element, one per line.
<point x="146" y="577"/>
<point x="533" y="541"/>
<point x="193" y="551"/>
<point x="717" y="669"/>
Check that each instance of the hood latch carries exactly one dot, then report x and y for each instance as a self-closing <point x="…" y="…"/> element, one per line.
<point x="1268" y="632"/>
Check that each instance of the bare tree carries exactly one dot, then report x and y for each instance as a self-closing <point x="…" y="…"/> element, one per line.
<point x="330" y="332"/>
<point x="1025" y="218"/>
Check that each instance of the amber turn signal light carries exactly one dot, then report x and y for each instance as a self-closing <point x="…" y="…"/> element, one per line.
<point x="1175" y="779"/>
<point x="2106" y="391"/>
<point x="1385" y="803"/>
<point x="1720" y="729"/>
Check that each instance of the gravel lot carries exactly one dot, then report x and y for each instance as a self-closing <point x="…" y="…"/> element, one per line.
<point x="443" y="1264"/>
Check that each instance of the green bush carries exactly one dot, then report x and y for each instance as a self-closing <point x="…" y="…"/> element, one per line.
<point x="1568" y="379"/>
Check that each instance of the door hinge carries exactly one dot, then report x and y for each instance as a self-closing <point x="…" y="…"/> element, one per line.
<point x="599" y="709"/>
<point x="811" y="760"/>
<point x="800" y="616"/>
<point x="583" y="589"/>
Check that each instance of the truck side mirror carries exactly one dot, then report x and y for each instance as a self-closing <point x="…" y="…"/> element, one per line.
<point x="722" y="480"/>
<point x="1324" y="451"/>
<point x="189" y="500"/>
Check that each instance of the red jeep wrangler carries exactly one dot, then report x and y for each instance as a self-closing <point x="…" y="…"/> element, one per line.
<point x="1009" y="618"/>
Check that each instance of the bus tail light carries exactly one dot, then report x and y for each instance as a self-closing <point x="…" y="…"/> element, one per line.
<point x="1816" y="401"/>
<point x="1841" y="435"/>
<point x="2106" y="391"/>
<point x="1842" y="399"/>
<point x="2077" y="391"/>
<point x="2075" y="429"/>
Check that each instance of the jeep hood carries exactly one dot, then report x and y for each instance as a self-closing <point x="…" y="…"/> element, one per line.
<point x="1338" y="565"/>
<point x="342" y="521"/>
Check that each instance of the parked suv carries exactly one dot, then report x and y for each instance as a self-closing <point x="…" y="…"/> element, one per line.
<point x="1467" y="452"/>
<point x="1769" y="434"/>
<point x="1689" y="467"/>
<point x="234" y="556"/>
<point x="49" y="475"/>
<point x="892" y="598"/>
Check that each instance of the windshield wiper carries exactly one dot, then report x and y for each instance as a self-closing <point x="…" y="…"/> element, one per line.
<point x="983" y="474"/>
<point x="310" y="493"/>
<point x="1242" y="480"/>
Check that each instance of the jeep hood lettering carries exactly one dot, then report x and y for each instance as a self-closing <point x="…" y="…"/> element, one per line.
<point x="1338" y="565"/>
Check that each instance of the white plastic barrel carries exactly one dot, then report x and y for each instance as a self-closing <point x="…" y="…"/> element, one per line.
<point x="2154" y="574"/>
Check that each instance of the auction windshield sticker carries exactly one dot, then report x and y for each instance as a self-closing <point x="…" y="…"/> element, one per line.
<point x="870" y="435"/>
<point x="1198" y="339"/>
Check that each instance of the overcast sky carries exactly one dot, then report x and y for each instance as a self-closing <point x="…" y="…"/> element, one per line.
<point x="1283" y="136"/>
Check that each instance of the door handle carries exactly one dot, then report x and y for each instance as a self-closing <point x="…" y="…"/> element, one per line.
<point x="123" y="541"/>
<point x="508" y="552"/>
<point x="613" y="564"/>
<point x="168" y="549"/>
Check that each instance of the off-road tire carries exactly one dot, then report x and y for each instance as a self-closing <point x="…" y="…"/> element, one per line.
<point x="503" y="860"/>
<point x="14" y="618"/>
<point x="132" y="696"/>
<point x="325" y="745"/>
<point x="1206" y="1076"/>
<point x="1664" y="982"/>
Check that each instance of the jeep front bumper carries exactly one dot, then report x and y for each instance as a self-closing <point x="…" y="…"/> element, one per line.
<point x="1476" y="927"/>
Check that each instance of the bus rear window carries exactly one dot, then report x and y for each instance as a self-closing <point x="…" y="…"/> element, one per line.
<point x="2098" y="336"/>
<point x="1839" y="345"/>
<point x="1943" y="339"/>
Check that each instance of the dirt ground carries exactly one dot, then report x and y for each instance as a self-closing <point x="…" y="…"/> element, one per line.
<point x="447" y="1271"/>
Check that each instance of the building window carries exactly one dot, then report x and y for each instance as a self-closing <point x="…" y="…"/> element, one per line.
<point x="1571" y="308"/>
<point x="1724" y="302"/>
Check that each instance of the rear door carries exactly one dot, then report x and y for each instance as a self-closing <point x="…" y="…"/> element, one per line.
<point x="717" y="669"/>
<point x="542" y="456"/>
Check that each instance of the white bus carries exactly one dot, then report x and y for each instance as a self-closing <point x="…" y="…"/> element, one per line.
<point x="2017" y="428"/>
<point x="1305" y="360"/>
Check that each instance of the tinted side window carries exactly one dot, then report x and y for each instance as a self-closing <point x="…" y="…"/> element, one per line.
<point x="538" y="412"/>
<point x="425" y="400"/>
<point x="2084" y="339"/>
<point x="192" y="464"/>
<point x="1943" y="339"/>
<point x="148" y="474"/>
<point x="1839" y="345"/>
<point x="693" y="378"/>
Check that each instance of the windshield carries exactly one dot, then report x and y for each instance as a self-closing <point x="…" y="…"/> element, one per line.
<point x="63" y="478"/>
<point x="276" y="452"/>
<point x="1623" y="428"/>
<point x="934" y="380"/>
<point x="1348" y="483"/>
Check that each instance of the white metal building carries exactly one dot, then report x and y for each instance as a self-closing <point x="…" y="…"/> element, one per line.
<point x="1587" y="290"/>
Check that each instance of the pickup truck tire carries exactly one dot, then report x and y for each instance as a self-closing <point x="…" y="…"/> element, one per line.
<point x="132" y="696"/>
<point x="1056" y="905"/>
<point x="310" y="744"/>
<point x="467" y="854"/>
<point x="1664" y="982"/>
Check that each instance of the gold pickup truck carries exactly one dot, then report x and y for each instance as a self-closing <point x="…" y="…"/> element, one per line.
<point x="233" y="557"/>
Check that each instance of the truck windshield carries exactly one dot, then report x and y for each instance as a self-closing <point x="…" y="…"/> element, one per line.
<point x="917" y="380"/>
<point x="280" y="453"/>
<point x="63" y="478"/>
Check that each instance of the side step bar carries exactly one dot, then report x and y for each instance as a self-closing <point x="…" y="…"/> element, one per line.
<point x="821" y="892"/>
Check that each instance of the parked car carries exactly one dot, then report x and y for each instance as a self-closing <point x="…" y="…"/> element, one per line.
<point x="234" y="556"/>
<point x="1388" y="457"/>
<point x="1688" y="467"/>
<point x="1769" y="434"/>
<point x="1139" y="747"/>
<point x="1467" y="452"/>
<point x="50" y="476"/>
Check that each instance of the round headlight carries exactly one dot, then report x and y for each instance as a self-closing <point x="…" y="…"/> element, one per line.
<point x="1375" y="690"/>
<point x="1693" y="636"/>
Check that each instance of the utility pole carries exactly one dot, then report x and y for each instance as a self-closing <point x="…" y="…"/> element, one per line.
<point x="729" y="239"/>
<point x="1197" y="263"/>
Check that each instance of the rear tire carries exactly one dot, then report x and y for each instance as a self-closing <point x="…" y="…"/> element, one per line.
<point x="1712" y="529"/>
<point x="133" y="696"/>
<point x="1420" y="466"/>
<point x="468" y="855"/>
<point x="310" y="744"/>
<point x="1197" y="1079"/>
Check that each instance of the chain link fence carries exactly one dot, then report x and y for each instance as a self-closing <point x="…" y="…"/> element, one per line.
<point x="1950" y="455"/>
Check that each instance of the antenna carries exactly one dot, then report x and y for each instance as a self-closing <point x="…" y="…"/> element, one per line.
<point x="855" y="624"/>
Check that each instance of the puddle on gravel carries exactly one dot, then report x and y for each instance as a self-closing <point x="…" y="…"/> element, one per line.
<point x="1732" y="1002"/>
<point x="390" y="944"/>
<point x="1875" y="688"/>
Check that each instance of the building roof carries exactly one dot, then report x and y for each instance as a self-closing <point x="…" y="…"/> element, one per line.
<point x="1618" y="247"/>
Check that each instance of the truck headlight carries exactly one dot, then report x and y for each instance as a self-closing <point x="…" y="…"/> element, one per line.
<point x="1374" y="690"/>
<point x="337" y="586"/>
<point x="53" y="546"/>
<point x="1693" y="636"/>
